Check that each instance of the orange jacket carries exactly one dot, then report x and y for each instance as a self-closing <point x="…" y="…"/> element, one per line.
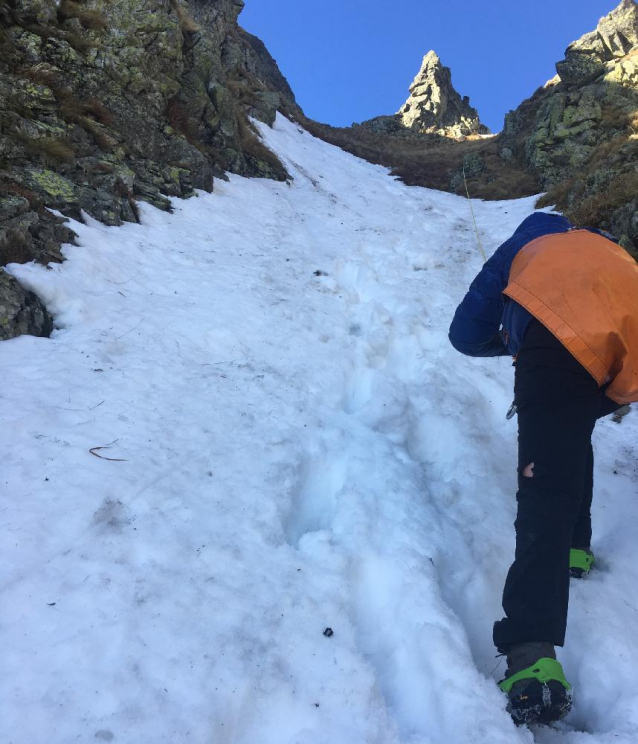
<point x="584" y="289"/>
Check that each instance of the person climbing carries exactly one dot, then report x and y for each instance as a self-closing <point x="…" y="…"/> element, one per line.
<point x="563" y="301"/>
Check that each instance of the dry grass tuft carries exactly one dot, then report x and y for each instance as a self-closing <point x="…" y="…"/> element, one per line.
<point x="594" y="210"/>
<point x="44" y="32"/>
<point x="15" y="248"/>
<point x="91" y="115"/>
<point x="94" y="20"/>
<point x="105" y="142"/>
<point x="15" y="189"/>
<point x="53" y="149"/>
<point x="186" y="21"/>
<point x="98" y="111"/>
<point x="254" y="148"/>
<point x="73" y="109"/>
<point x="558" y="195"/>
<point x="121" y="189"/>
<point x="40" y="74"/>
<point x="179" y="118"/>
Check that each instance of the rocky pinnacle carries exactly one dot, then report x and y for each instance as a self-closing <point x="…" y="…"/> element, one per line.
<point x="434" y="106"/>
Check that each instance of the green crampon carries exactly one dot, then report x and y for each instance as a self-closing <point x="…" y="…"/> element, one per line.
<point x="580" y="562"/>
<point x="544" y="670"/>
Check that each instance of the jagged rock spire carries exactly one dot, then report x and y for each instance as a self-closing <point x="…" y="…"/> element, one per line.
<point x="434" y="105"/>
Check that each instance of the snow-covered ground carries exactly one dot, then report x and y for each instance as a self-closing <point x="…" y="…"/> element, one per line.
<point x="293" y="446"/>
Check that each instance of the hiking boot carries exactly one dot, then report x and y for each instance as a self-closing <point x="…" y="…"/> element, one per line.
<point x="535" y="684"/>
<point x="581" y="561"/>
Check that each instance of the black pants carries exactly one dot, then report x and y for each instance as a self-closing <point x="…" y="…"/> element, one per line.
<point x="558" y="403"/>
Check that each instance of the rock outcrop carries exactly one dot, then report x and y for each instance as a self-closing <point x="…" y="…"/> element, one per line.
<point x="579" y="133"/>
<point x="615" y="37"/>
<point x="105" y="104"/>
<point x="21" y="311"/>
<point x="434" y="106"/>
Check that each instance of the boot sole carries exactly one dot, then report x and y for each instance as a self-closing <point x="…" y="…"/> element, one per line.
<point x="531" y="701"/>
<point x="578" y="573"/>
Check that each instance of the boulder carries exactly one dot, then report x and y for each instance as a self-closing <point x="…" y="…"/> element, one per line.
<point x="21" y="312"/>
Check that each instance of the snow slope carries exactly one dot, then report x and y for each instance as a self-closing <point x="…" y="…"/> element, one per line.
<point x="295" y="447"/>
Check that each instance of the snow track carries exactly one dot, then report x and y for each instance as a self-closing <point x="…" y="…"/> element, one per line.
<point x="297" y="448"/>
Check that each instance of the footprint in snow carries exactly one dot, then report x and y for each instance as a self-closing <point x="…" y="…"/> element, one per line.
<point x="358" y="390"/>
<point x="315" y="496"/>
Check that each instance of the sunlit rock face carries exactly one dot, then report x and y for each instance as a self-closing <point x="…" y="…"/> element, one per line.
<point x="579" y="133"/>
<point x="435" y="107"/>
<point x="615" y="37"/>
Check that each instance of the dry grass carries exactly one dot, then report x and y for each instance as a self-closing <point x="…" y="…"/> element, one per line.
<point x="558" y="195"/>
<point x="432" y="160"/>
<point x="614" y="118"/>
<point x="90" y="115"/>
<point x="241" y="91"/>
<point x="105" y="142"/>
<point x="52" y="149"/>
<point x="80" y="43"/>
<point x="121" y="189"/>
<point x="90" y="19"/>
<point x="44" y="32"/>
<point x="182" y="122"/>
<point x="15" y="248"/>
<point x="15" y="189"/>
<point x="98" y="111"/>
<point x="254" y="148"/>
<point x="40" y="74"/>
<point x="243" y="85"/>
<point x="73" y="109"/>
<point x="179" y="118"/>
<point x="186" y="21"/>
<point x="594" y="210"/>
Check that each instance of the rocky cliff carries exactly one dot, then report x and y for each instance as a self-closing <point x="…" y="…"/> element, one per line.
<point x="433" y="107"/>
<point x="578" y="135"/>
<point x="105" y="104"/>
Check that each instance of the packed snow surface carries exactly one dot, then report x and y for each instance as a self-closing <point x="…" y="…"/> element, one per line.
<point x="288" y="445"/>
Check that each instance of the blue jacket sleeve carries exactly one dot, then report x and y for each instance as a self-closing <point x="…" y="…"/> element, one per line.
<point x="475" y="329"/>
<point x="477" y="321"/>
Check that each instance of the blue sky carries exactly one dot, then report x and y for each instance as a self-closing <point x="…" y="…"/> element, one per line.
<point x="350" y="60"/>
